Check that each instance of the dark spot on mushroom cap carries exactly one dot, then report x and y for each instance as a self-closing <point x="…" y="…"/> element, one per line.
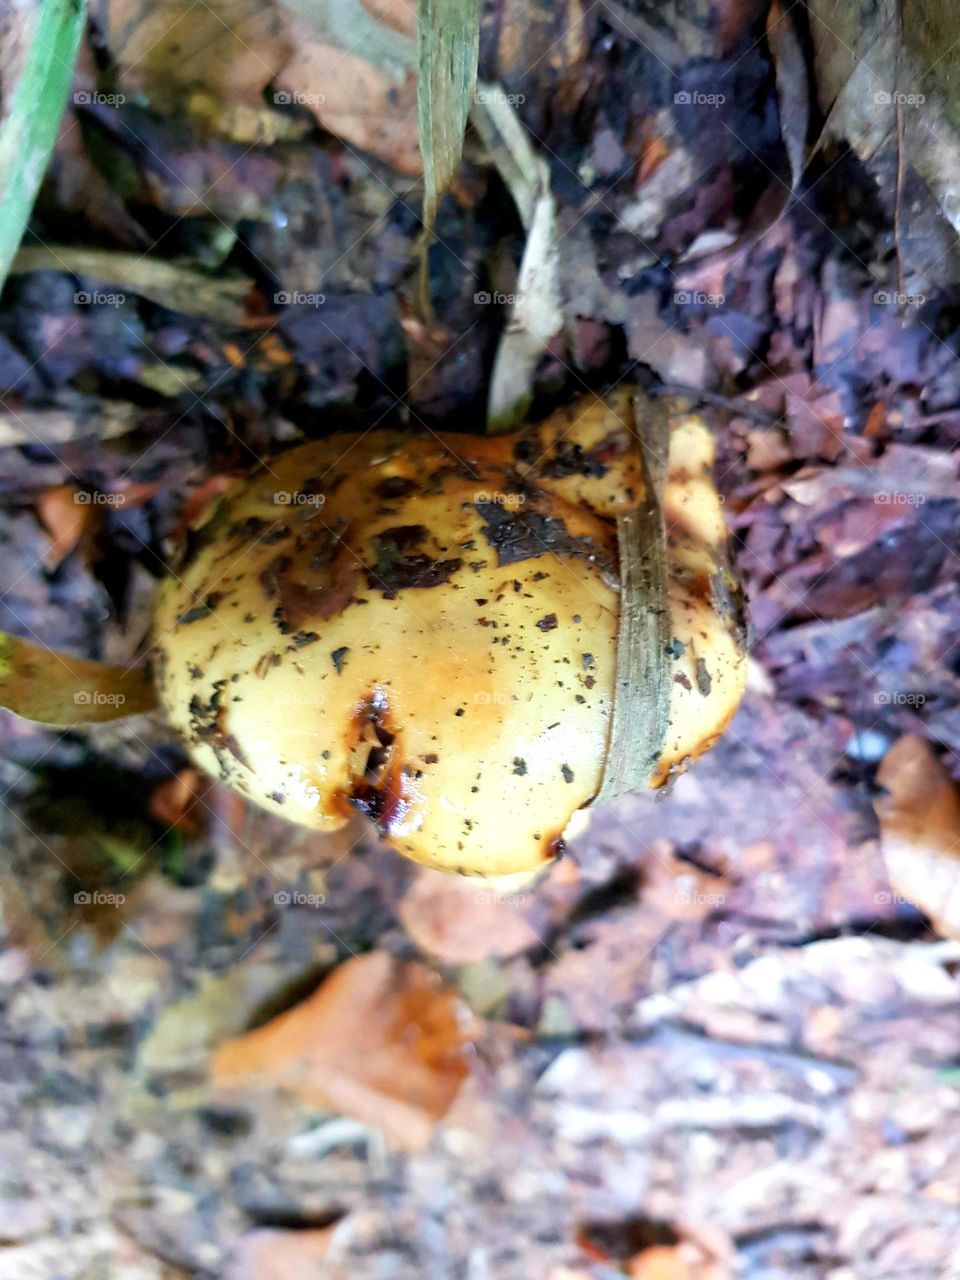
<point x="521" y="534"/>
<point x="398" y="566"/>
<point x="395" y="487"/>
<point x="337" y="657"/>
<point x="704" y="682"/>
<point x="556" y="848"/>
<point x="201" y="610"/>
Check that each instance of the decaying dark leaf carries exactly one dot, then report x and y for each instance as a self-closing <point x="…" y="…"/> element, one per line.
<point x="886" y="77"/>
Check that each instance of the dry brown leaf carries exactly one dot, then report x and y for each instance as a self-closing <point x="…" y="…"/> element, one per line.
<point x="791" y="73"/>
<point x="681" y="891"/>
<point x="166" y="49"/>
<point x="920" y="831"/>
<point x="280" y="1255"/>
<point x="400" y="15"/>
<point x="683" y="1261"/>
<point x="379" y="1040"/>
<point x="216" y="62"/>
<point x="177" y="802"/>
<point x="65" y="519"/>
<point x="462" y="920"/>
<point x="359" y="102"/>
<point x="886" y="78"/>
<point x="201" y="498"/>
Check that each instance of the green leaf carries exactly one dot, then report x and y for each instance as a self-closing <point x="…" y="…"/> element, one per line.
<point x="30" y="124"/>
<point x="52" y="688"/>
<point x="448" y="41"/>
<point x="641" y="704"/>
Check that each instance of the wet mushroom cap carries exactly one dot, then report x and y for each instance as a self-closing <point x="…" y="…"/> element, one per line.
<point x="424" y="628"/>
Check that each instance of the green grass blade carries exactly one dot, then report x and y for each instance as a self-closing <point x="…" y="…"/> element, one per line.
<point x="29" y="127"/>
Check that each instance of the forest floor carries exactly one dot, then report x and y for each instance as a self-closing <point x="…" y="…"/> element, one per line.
<point x="722" y="1036"/>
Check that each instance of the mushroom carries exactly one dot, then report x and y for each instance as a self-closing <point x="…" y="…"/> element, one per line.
<point x="425" y="628"/>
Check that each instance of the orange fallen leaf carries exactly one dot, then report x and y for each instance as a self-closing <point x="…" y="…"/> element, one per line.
<point x="280" y="1255"/>
<point x="462" y="920"/>
<point x="399" y="15"/>
<point x="359" y="102"/>
<point x="135" y="495"/>
<point x="920" y="831"/>
<point x="683" y="1261"/>
<point x="654" y="150"/>
<point x="380" y="1040"/>
<point x="234" y="355"/>
<point x="876" y="422"/>
<point x="177" y="802"/>
<point x="201" y="498"/>
<point x="65" y="519"/>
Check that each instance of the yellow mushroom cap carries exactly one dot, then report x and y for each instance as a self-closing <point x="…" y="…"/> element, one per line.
<point x="425" y="628"/>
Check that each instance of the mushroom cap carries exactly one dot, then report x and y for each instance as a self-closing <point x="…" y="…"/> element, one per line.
<point x="425" y="628"/>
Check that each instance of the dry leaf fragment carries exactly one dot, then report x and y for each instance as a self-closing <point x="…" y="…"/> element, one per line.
<point x="65" y="519"/>
<point x="920" y="831"/>
<point x="399" y="15"/>
<point x="57" y="689"/>
<point x="683" y="1261"/>
<point x="791" y="72"/>
<point x="280" y="1255"/>
<point x="379" y="1040"/>
<point x="166" y="49"/>
<point x="365" y="105"/>
<point x="886" y="76"/>
<point x="462" y="921"/>
<point x="178" y="802"/>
